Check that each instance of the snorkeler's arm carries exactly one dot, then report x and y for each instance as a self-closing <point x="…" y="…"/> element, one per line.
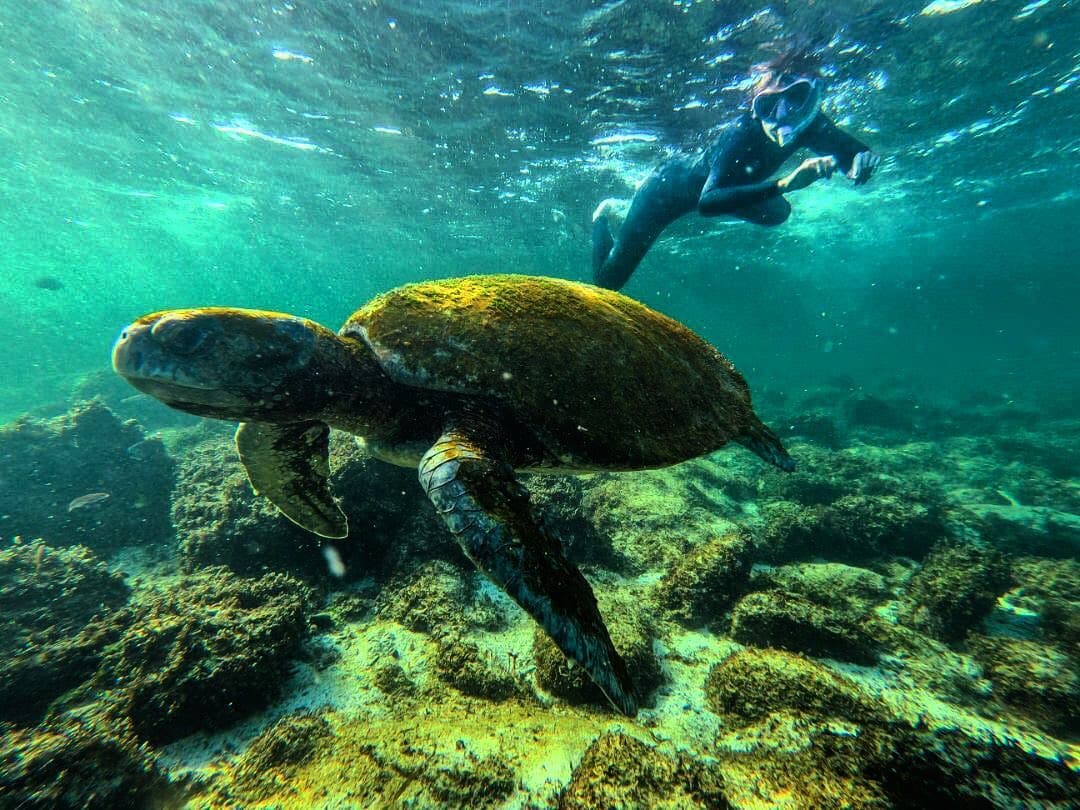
<point x="826" y="138"/>
<point x="717" y="199"/>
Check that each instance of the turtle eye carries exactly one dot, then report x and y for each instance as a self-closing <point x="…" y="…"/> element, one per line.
<point x="179" y="335"/>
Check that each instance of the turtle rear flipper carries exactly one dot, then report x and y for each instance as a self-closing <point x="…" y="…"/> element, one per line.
<point x="290" y="465"/>
<point x="761" y="441"/>
<point x="487" y="510"/>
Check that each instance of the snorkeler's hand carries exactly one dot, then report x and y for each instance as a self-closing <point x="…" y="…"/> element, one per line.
<point x="809" y="170"/>
<point x="863" y="166"/>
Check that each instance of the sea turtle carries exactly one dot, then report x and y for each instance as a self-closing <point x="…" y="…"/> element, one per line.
<point x="468" y="379"/>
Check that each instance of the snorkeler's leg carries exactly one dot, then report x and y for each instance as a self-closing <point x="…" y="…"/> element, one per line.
<point x="774" y="211"/>
<point x="661" y="200"/>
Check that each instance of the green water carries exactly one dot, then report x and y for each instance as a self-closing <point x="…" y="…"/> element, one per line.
<point x="304" y="156"/>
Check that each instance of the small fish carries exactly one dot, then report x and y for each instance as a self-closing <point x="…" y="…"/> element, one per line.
<point x="88" y="499"/>
<point x="49" y="283"/>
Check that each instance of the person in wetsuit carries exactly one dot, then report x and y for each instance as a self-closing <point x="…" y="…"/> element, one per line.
<point x="731" y="175"/>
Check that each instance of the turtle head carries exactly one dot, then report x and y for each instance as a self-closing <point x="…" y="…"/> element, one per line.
<point x="231" y="364"/>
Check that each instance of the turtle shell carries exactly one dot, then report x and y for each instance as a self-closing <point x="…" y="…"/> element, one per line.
<point x="602" y="380"/>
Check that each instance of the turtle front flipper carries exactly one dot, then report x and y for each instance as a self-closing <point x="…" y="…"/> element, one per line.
<point x="487" y="510"/>
<point x="290" y="465"/>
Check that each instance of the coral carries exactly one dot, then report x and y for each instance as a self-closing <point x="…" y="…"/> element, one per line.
<point x="956" y="587"/>
<point x="618" y="770"/>
<point x="50" y="465"/>
<point x="79" y="763"/>
<point x="1036" y="680"/>
<point x="703" y="584"/>
<point x="268" y="763"/>
<point x="775" y="619"/>
<point x="204" y="653"/>
<point x="52" y="602"/>
<point x="462" y="666"/>
<point x="630" y="624"/>
<point x="850" y="590"/>
<point x="220" y="521"/>
<point x="753" y="683"/>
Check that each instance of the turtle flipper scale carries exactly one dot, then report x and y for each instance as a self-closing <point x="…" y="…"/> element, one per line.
<point x="487" y="511"/>
<point x="290" y="465"/>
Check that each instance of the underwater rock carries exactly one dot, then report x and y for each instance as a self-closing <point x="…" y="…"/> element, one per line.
<point x="53" y="626"/>
<point x="1022" y="529"/>
<point x="869" y="411"/>
<point x="852" y="591"/>
<point x="438" y="599"/>
<point x="956" y="587"/>
<point x="1034" y="679"/>
<point x="220" y="521"/>
<point x="50" y="466"/>
<point x="392" y="680"/>
<point x="461" y="665"/>
<point x="266" y="767"/>
<point x="818" y="426"/>
<point x="620" y="771"/>
<point x="557" y="503"/>
<point x="704" y="583"/>
<point x="753" y="683"/>
<point x="632" y="630"/>
<point x="653" y="517"/>
<point x="803" y="762"/>
<point x="204" y="653"/>
<point x="949" y="768"/>
<point x="81" y="764"/>
<point x="775" y="619"/>
<point x="855" y="528"/>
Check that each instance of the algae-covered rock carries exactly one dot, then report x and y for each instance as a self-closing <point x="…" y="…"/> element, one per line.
<point x="461" y="665"/>
<point x="956" y="587"/>
<point x="949" y="768"/>
<point x="1054" y="587"/>
<point x="754" y="683"/>
<point x="204" y="653"/>
<point x="854" y="528"/>
<point x="620" y="771"/>
<point x="775" y="619"/>
<point x="78" y="763"/>
<point x="84" y="478"/>
<point x="1037" y="680"/>
<point x="847" y="589"/>
<point x="266" y="766"/>
<point x="632" y="631"/>
<point x="704" y="583"/>
<point x="439" y="599"/>
<point x="394" y="681"/>
<point x="220" y="521"/>
<point x="53" y="604"/>
<point x="798" y="761"/>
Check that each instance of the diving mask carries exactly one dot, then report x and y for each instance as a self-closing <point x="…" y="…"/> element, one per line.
<point x="787" y="107"/>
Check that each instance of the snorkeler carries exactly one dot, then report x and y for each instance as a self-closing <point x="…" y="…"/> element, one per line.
<point x="731" y="175"/>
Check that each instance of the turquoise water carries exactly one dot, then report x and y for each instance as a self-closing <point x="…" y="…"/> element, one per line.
<point x="302" y="157"/>
<point x="914" y="342"/>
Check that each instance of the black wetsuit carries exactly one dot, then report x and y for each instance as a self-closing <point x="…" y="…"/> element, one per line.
<point x="729" y="177"/>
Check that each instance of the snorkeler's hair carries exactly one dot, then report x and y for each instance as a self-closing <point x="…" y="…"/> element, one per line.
<point x="791" y="58"/>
